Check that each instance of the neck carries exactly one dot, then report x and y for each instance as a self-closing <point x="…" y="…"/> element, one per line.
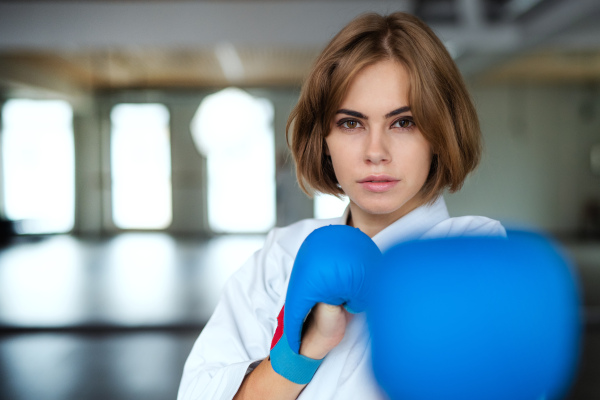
<point x="372" y="224"/>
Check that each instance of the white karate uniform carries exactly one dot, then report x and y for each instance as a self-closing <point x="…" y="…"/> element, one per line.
<point x="239" y="333"/>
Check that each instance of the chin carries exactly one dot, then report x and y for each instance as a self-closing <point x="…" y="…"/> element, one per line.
<point x="382" y="208"/>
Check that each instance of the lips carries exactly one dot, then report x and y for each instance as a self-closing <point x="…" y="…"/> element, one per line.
<point x="378" y="183"/>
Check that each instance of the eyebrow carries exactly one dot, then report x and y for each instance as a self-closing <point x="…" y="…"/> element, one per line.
<point x="362" y="116"/>
<point x="352" y="113"/>
<point x="397" y="111"/>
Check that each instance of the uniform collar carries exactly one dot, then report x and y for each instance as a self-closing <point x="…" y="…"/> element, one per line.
<point x="411" y="226"/>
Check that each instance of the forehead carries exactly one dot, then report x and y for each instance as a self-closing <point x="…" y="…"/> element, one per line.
<point x="382" y="86"/>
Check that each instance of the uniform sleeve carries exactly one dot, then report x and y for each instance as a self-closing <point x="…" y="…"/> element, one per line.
<point x="240" y="330"/>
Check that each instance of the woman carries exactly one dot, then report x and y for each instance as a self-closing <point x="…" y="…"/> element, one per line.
<point x="384" y="118"/>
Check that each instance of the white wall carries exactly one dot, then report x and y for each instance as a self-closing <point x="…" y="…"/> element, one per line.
<point x="535" y="171"/>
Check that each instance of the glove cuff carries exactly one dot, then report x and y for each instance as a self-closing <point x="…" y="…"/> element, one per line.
<point x="350" y="310"/>
<point x="292" y="366"/>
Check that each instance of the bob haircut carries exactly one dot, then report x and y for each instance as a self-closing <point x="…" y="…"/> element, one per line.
<point x="440" y="104"/>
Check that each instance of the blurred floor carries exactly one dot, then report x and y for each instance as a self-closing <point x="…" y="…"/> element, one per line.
<point x="108" y="366"/>
<point x="107" y="319"/>
<point x="116" y="318"/>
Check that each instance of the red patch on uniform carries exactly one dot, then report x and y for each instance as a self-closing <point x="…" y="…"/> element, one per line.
<point x="279" y="330"/>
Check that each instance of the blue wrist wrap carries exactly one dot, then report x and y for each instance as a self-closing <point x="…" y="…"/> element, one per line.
<point x="292" y="366"/>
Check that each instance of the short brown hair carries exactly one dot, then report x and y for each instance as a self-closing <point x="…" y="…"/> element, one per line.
<point x="439" y="101"/>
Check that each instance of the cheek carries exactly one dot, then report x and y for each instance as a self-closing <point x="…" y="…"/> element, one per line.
<point x="337" y="150"/>
<point x="343" y="166"/>
<point x="333" y="144"/>
<point x="426" y="168"/>
<point x="339" y="167"/>
<point x="330" y="151"/>
<point x="427" y="157"/>
<point x="419" y="160"/>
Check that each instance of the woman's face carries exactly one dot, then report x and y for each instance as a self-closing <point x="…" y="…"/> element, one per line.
<point x="380" y="158"/>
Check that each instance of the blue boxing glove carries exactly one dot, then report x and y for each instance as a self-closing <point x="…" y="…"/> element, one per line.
<point x="475" y="318"/>
<point x="333" y="266"/>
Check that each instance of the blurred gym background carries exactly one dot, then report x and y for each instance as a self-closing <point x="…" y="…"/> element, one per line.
<point x="143" y="159"/>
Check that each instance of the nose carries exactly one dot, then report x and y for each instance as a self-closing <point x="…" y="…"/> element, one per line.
<point x="377" y="149"/>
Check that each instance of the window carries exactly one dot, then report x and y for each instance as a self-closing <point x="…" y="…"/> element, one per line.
<point x="38" y="165"/>
<point x="141" y="166"/>
<point x="233" y="130"/>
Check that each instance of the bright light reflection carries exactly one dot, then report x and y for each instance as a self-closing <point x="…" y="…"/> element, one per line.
<point x="234" y="131"/>
<point x="141" y="166"/>
<point x="39" y="165"/>
<point x="328" y="206"/>
<point x="43" y="284"/>
<point x="140" y="283"/>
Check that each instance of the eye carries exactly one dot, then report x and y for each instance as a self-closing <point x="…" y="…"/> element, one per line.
<point x="404" y="123"/>
<point x="349" y="124"/>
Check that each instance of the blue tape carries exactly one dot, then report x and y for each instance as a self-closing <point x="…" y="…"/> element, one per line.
<point x="292" y="366"/>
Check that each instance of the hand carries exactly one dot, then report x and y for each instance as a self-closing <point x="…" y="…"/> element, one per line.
<point x="333" y="266"/>
<point x="324" y="329"/>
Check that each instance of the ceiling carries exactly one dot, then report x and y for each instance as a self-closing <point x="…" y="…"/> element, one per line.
<point x="75" y="46"/>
